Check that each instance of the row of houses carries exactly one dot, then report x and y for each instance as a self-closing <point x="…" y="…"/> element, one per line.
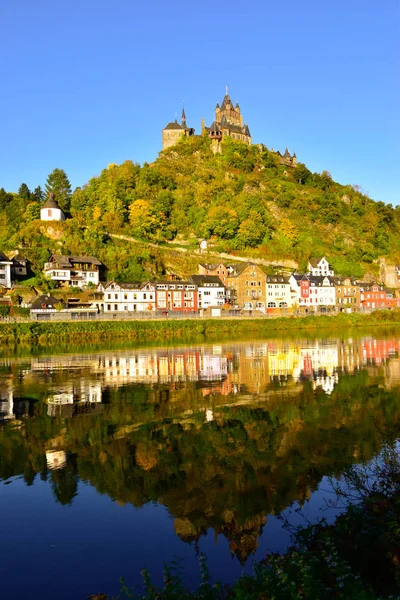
<point x="319" y="289"/>
<point x="241" y="287"/>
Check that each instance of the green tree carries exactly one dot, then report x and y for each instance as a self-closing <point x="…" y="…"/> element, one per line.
<point x="5" y="198"/>
<point x="37" y="194"/>
<point x="24" y="192"/>
<point x="32" y="212"/>
<point x="58" y="183"/>
<point x="301" y="174"/>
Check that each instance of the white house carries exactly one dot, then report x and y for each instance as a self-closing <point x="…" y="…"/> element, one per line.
<point x="128" y="297"/>
<point x="5" y="271"/>
<point x="320" y="266"/>
<point x="76" y="271"/>
<point x="314" y="292"/>
<point x="279" y="292"/>
<point x="211" y="290"/>
<point x="50" y="211"/>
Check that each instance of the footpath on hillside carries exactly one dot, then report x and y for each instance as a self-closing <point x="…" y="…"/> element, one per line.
<point x="289" y="264"/>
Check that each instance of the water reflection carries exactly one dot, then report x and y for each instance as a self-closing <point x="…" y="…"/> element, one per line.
<point x="222" y="435"/>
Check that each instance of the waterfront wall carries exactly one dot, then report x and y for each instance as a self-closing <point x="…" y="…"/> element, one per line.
<point x="168" y="329"/>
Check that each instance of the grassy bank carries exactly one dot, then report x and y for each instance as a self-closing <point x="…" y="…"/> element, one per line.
<point x="99" y="331"/>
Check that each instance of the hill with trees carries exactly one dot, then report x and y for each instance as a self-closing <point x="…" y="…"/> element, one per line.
<point x="244" y="201"/>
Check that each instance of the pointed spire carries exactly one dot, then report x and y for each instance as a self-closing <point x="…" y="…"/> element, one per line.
<point x="183" y="114"/>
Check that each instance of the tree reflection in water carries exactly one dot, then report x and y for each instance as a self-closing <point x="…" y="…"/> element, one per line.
<point x="222" y="436"/>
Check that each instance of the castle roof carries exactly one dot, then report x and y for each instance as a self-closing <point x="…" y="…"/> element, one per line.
<point x="225" y="124"/>
<point x="51" y="203"/>
<point x="226" y="100"/>
<point x="173" y="125"/>
<point x="215" y="127"/>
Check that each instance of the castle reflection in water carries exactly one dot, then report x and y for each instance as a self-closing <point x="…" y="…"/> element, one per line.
<point x="75" y="383"/>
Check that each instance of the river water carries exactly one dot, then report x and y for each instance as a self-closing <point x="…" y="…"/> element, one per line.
<point x="113" y="460"/>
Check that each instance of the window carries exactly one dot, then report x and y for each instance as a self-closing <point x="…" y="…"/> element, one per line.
<point x="49" y="212"/>
<point x="108" y="306"/>
<point x="115" y="306"/>
<point x="144" y="296"/>
<point x="116" y="296"/>
<point x="125" y="296"/>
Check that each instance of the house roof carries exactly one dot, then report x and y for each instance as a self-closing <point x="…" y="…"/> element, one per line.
<point x="207" y="280"/>
<point x="45" y="301"/>
<point x="173" y="125"/>
<point x="3" y="257"/>
<point x="314" y="262"/>
<point x="19" y="258"/>
<point x="341" y="280"/>
<point x="318" y="280"/>
<point x="277" y="279"/>
<point x="300" y="276"/>
<point x="68" y="261"/>
<point x="51" y="203"/>
<point x="239" y="268"/>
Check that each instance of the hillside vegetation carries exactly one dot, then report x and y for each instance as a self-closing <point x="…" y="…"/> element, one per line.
<point x="243" y="200"/>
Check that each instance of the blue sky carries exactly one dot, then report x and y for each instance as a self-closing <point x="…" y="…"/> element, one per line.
<point x="86" y="83"/>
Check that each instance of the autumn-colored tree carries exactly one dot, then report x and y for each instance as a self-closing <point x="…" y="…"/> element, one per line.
<point x="142" y="219"/>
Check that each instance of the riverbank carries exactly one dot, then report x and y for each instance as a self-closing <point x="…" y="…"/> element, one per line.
<point x="182" y="329"/>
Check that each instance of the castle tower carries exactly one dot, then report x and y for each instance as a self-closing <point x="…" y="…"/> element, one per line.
<point x="174" y="131"/>
<point x="229" y="119"/>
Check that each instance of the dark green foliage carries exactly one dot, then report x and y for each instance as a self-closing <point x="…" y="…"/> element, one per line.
<point x="37" y="195"/>
<point x="24" y="192"/>
<point x="58" y="183"/>
<point x="5" y="198"/>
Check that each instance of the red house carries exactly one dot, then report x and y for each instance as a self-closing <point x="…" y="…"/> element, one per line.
<point x="177" y="296"/>
<point x="377" y="297"/>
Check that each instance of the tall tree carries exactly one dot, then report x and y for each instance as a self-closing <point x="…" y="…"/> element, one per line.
<point x="24" y="192"/>
<point x="5" y="198"/>
<point x="37" y="194"/>
<point x="58" y="183"/>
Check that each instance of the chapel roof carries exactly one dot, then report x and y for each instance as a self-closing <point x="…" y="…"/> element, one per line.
<point x="51" y="202"/>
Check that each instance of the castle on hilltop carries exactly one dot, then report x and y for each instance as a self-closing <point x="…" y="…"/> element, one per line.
<point x="228" y="123"/>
